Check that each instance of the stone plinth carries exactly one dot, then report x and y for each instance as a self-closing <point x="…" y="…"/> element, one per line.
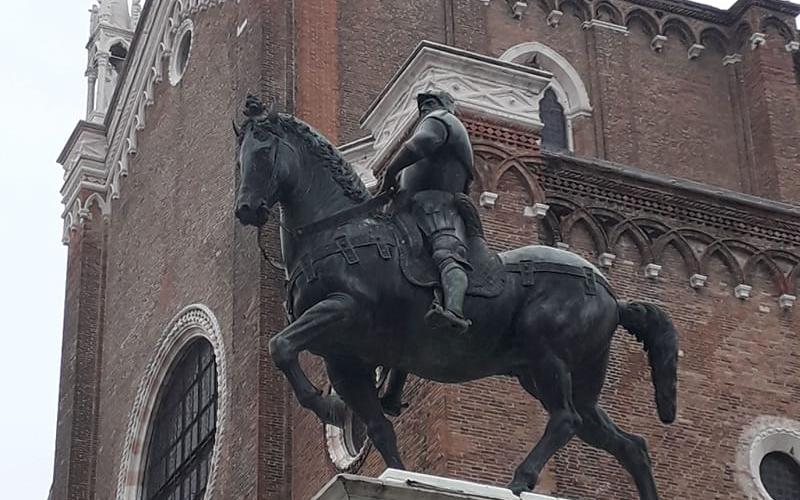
<point x="402" y="485"/>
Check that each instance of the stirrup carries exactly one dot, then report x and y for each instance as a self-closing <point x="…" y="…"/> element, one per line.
<point x="446" y="320"/>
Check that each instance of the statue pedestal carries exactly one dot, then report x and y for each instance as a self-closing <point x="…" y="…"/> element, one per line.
<point x="401" y="485"/>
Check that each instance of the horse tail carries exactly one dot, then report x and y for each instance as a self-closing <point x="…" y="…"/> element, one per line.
<point x="653" y="327"/>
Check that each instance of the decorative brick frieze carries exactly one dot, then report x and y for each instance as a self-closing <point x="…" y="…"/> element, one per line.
<point x="698" y="221"/>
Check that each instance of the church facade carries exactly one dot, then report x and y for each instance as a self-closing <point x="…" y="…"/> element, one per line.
<point x="660" y="139"/>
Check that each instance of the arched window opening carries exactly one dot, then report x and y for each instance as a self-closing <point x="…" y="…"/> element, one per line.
<point x="780" y="474"/>
<point x="554" y="132"/>
<point x="119" y="54"/>
<point x="184" y="427"/>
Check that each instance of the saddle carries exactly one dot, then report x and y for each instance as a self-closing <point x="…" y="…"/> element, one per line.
<point x="487" y="276"/>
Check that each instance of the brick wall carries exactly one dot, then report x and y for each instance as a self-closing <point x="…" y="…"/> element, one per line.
<point x="172" y="241"/>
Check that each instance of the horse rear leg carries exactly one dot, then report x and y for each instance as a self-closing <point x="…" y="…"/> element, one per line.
<point x="550" y="381"/>
<point x="336" y="314"/>
<point x="630" y="450"/>
<point x="355" y="383"/>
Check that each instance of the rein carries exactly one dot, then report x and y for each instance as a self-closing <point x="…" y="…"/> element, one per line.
<point x="331" y="221"/>
<point x="345" y="215"/>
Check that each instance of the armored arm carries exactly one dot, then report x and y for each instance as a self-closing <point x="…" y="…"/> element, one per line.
<point x="430" y="135"/>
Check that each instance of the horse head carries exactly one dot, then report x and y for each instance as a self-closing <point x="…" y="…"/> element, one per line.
<point x="265" y="159"/>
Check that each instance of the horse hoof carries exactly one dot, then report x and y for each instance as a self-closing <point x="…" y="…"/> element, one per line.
<point x="518" y="487"/>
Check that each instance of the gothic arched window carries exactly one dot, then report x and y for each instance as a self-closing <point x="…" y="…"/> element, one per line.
<point x="184" y="427"/>
<point x="554" y="132"/>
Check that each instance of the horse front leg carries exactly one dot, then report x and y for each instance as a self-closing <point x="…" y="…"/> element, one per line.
<point x="335" y="314"/>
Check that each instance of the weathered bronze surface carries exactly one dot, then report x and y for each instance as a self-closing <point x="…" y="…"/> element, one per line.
<point x="361" y="283"/>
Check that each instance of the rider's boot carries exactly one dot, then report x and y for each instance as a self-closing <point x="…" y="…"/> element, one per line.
<point x="451" y="317"/>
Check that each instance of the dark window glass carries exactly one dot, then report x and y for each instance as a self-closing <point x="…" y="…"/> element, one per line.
<point x="184" y="427"/>
<point x="554" y="133"/>
<point x="796" y="58"/>
<point x="780" y="474"/>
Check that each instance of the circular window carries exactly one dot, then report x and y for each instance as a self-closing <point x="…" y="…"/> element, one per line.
<point x="780" y="474"/>
<point x="768" y="459"/>
<point x="181" y="52"/>
<point x="184" y="427"/>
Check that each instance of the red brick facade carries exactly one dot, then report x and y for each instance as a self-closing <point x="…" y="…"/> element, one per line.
<point x="170" y="239"/>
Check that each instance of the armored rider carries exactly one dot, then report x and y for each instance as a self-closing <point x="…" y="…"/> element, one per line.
<point x="435" y="165"/>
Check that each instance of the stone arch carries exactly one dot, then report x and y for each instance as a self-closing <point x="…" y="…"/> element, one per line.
<point x="566" y="83"/>
<point x="577" y="8"/>
<point x="596" y="231"/>
<point x="741" y="36"/>
<point x="721" y="250"/>
<point x="772" y="24"/>
<point x="679" y="243"/>
<point x="571" y="84"/>
<point x="194" y="321"/>
<point x="552" y="229"/>
<point x="606" y="11"/>
<point x="546" y="5"/>
<point x="793" y="280"/>
<point x="535" y="191"/>
<point x="714" y="39"/>
<point x="628" y="227"/>
<point x="676" y="28"/>
<point x="644" y="19"/>
<point x="761" y="258"/>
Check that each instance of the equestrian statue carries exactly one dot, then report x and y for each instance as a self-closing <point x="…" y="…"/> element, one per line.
<point x="404" y="280"/>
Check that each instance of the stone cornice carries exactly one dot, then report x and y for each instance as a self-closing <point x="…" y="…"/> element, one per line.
<point x="79" y="129"/>
<point x="715" y="15"/>
<point x="482" y="86"/>
<point x="688" y="200"/>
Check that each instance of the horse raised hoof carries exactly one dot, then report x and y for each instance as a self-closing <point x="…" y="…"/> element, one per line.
<point x="446" y="321"/>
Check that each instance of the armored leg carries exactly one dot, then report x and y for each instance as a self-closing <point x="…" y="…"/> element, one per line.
<point x="454" y="288"/>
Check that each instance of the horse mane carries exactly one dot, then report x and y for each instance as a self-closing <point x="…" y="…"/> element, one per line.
<point x="315" y="143"/>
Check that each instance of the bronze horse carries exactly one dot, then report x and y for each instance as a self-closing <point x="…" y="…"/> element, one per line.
<point x="356" y="310"/>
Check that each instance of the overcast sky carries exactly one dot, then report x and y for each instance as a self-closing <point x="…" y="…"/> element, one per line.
<point x="41" y="98"/>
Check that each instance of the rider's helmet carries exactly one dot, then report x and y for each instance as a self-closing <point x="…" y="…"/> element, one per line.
<point x="444" y="98"/>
